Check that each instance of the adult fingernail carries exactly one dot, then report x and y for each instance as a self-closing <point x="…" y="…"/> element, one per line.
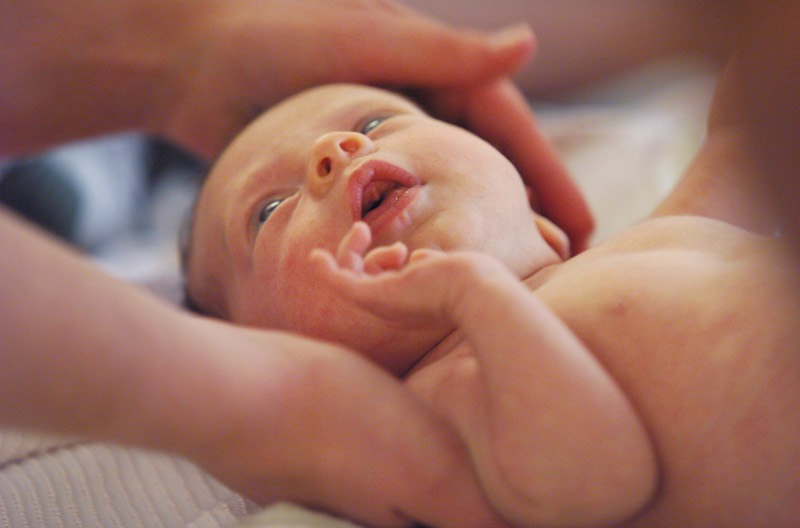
<point x="510" y="36"/>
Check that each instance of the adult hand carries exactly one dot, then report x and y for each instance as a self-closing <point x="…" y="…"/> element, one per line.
<point x="266" y="51"/>
<point x="274" y="416"/>
<point x="197" y="71"/>
<point x="319" y="425"/>
<point x="254" y="53"/>
<point x="500" y="114"/>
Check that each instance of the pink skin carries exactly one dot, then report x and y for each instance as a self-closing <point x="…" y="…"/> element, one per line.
<point x="398" y="285"/>
<point x="393" y="240"/>
<point x="385" y="184"/>
<point x="481" y="377"/>
<point x="380" y="279"/>
<point x="440" y="187"/>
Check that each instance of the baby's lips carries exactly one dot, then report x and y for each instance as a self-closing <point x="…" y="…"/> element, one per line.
<point x="373" y="171"/>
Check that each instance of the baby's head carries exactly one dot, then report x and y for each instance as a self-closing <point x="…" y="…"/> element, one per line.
<point x="307" y="169"/>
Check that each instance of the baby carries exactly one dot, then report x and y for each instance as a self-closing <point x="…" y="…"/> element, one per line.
<point x="649" y="381"/>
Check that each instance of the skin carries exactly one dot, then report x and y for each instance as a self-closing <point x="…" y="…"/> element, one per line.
<point x="196" y="72"/>
<point x="226" y="398"/>
<point x="588" y="392"/>
<point x="156" y="351"/>
<point x="309" y="167"/>
<point x="568" y="34"/>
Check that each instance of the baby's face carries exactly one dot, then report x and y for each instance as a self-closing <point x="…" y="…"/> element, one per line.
<point x="305" y="171"/>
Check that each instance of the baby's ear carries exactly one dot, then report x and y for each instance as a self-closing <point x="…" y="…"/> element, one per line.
<point x="554" y="236"/>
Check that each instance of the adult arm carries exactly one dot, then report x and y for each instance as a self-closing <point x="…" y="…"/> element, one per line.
<point x="750" y="140"/>
<point x="581" y="42"/>
<point x="766" y="88"/>
<point x="553" y="437"/>
<point x="272" y="415"/>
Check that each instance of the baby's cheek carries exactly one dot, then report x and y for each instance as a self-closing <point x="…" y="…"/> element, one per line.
<point x="303" y="303"/>
<point x="253" y="308"/>
<point x="257" y="298"/>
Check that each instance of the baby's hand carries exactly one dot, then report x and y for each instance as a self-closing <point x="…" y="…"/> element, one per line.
<point x="350" y="253"/>
<point x="415" y="288"/>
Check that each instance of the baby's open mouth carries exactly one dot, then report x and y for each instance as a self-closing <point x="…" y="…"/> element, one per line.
<point x="378" y="193"/>
<point x="378" y="190"/>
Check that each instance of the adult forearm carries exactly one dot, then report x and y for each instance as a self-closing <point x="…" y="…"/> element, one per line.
<point x="197" y="71"/>
<point x="82" y="353"/>
<point x="275" y="416"/>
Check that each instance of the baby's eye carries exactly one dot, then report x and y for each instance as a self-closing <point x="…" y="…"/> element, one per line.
<point x="372" y="123"/>
<point x="267" y="210"/>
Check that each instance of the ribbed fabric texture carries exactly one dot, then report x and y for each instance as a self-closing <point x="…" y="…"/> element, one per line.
<point x="47" y="483"/>
<point x="291" y="516"/>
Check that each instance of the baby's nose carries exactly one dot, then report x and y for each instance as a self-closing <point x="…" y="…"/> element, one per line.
<point x="331" y="153"/>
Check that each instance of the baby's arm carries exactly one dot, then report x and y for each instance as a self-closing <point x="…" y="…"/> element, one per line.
<point x="553" y="438"/>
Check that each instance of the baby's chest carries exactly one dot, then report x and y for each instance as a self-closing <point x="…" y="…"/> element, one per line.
<point x="700" y="346"/>
<point x="665" y="325"/>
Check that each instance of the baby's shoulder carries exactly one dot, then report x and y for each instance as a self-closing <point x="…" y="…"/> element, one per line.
<point x="686" y="233"/>
<point x="675" y="247"/>
<point x="660" y="269"/>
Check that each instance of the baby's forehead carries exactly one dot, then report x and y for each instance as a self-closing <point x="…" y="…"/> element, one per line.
<point x="281" y="132"/>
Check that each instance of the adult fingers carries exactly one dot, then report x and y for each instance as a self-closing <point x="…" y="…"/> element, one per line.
<point x="500" y="114"/>
<point x="433" y="55"/>
<point x="266" y="51"/>
<point x="387" y="43"/>
<point x="362" y="445"/>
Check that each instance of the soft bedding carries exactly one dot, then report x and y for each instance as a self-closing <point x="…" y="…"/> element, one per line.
<point x="625" y="142"/>
<point x="55" y="482"/>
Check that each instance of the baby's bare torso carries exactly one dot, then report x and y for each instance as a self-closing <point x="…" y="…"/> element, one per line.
<point x="700" y="325"/>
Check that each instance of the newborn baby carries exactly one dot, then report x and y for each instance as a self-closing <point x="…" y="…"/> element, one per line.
<point x="649" y="381"/>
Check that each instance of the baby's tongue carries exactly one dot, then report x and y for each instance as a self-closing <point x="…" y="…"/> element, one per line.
<point x="375" y="195"/>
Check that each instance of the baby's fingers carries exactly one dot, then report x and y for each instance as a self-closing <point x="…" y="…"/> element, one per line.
<point x="386" y="258"/>
<point x="339" y="278"/>
<point x="323" y="260"/>
<point x="352" y="247"/>
<point x="423" y="253"/>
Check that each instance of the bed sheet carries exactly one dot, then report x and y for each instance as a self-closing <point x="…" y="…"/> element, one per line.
<point x="625" y="142"/>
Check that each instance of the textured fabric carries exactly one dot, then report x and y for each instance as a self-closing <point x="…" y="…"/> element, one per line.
<point x="291" y="516"/>
<point x="47" y="482"/>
